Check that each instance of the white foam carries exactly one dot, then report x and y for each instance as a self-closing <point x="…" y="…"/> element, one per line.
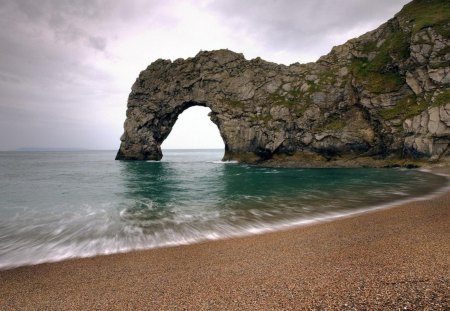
<point x="77" y="244"/>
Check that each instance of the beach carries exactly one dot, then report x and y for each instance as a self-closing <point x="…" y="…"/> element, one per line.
<point x="396" y="258"/>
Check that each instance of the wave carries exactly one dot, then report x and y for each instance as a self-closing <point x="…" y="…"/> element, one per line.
<point x="134" y="239"/>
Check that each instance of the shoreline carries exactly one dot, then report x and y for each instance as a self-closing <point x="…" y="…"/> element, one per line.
<point x="285" y="269"/>
<point x="262" y="229"/>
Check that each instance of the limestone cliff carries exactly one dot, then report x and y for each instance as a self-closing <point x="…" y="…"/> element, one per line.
<point x="384" y="95"/>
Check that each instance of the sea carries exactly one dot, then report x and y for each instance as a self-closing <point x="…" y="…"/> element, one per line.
<point x="56" y="205"/>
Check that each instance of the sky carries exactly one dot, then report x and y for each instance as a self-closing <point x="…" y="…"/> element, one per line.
<point x="67" y="67"/>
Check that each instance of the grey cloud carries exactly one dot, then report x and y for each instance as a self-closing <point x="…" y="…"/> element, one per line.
<point x="48" y="95"/>
<point x="89" y="22"/>
<point x="68" y="21"/>
<point x="98" y="43"/>
<point x="301" y="25"/>
<point x="45" y="42"/>
<point x="45" y="86"/>
<point x="7" y="78"/>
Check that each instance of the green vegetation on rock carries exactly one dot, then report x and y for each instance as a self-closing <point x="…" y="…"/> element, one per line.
<point x="378" y="75"/>
<point x="428" y="13"/>
<point x="300" y="110"/>
<point x="296" y="100"/>
<point x="233" y="103"/>
<point x="410" y="106"/>
<point x="438" y="65"/>
<point x="333" y="123"/>
<point x="375" y="81"/>
<point x="396" y="47"/>
<point x="444" y="51"/>
<point x="278" y="99"/>
<point x="442" y="98"/>
<point x="261" y="118"/>
<point x="357" y="96"/>
<point x="407" y="107"/>
<point x="328" y="77"/>
<point x="381" y="83"/>
<point x="369" y="46"/>
<point x="313" y="87"/>
<point x="292" y="98"/>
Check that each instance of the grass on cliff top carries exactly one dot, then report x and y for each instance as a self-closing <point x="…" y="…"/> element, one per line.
<point x="379" y="75"/>
<point x="428" y="13"/>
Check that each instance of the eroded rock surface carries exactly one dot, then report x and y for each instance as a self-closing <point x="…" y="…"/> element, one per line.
<point x="383" y="95"/>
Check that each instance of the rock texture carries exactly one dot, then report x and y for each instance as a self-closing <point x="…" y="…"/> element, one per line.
<point x="384" y="95"/>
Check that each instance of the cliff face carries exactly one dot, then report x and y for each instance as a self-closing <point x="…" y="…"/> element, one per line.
<point x="383" y="95"/>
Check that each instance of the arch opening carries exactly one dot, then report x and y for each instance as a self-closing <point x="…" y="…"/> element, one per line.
<point x="193" y="129"/>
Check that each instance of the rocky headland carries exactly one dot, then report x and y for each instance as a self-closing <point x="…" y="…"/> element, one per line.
<point x="380" y="99"/>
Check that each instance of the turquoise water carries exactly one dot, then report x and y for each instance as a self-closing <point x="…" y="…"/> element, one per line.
<point x="57" y="205"/>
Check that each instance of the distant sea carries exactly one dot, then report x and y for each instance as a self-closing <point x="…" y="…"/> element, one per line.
<point x="65" y="204"/>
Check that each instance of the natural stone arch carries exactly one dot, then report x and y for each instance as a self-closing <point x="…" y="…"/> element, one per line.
<point x="254" y="120"/>
<point x="166" y="89"/>
<point x="379" y="96"/>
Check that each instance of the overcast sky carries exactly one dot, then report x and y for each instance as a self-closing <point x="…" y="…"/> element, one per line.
<point x="66" y="67"/>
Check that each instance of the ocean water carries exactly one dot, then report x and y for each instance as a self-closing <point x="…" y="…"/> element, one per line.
<point x="58" y="205"/>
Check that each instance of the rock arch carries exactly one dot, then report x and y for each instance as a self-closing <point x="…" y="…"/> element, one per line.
<point x="166" y="89"/>
<point x="382" y="95"/>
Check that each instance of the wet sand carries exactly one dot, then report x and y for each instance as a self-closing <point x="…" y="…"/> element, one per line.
<point x="396" y="259"/>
